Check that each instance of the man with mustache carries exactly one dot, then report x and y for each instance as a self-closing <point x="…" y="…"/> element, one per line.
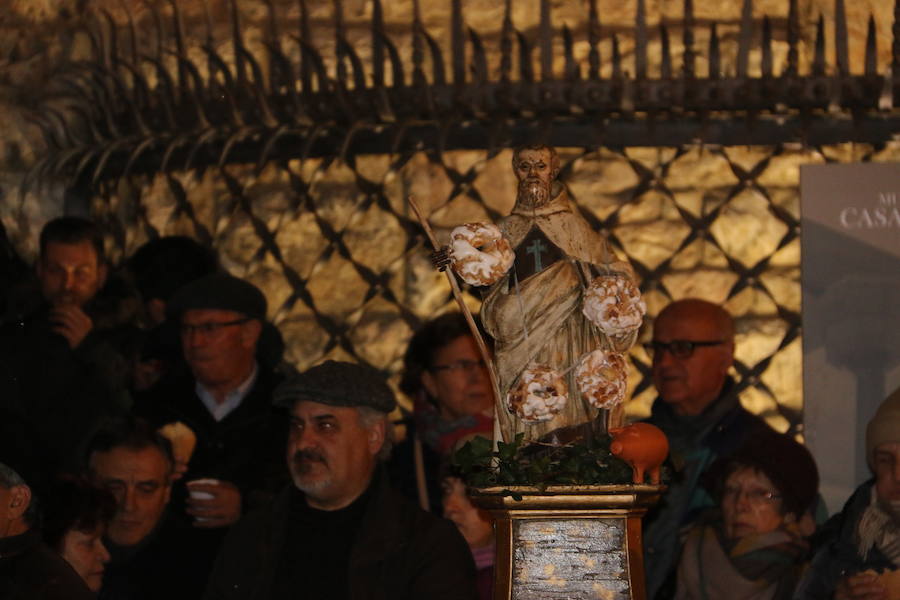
<point x="340" y="531"/>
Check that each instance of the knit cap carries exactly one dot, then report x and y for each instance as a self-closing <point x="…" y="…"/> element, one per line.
<point x="884" y="426"/>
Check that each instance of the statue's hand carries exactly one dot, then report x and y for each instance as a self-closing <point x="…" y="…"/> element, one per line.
<point x="441" y="258"/>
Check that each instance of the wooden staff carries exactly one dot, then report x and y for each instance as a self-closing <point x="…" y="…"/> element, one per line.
<point x="500" y="429"/>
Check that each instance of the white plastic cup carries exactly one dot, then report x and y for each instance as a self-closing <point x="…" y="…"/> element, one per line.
<point x="201" y="494"/>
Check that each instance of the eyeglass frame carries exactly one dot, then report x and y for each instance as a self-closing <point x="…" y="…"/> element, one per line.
<point x="209" y="328"/>
<point x="655" y="346"/>
<point x="753" y="496"/>
<point x="463" y="366"/>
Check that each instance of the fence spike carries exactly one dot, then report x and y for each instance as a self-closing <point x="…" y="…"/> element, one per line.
<point x="506" y="43"/>
<point x="573" y="73"/>
<point x="640" y="42"/>
<point x="766" y="61"/>
<point x="340" y="43"/>
<point x="616" y="58"/>
<point x="793" y="35"/>
<point x="594" y="41"/>
<point x="688" y="69"/>
<point x="818" y="66"/>
<point x="745" y="39"/>
<point x="458" y="44"/>
<point x="840" y="38"/>
<point x="714" y="62"/>
<point x="665" y="68"/>
<point x="479" y="58"/>
<point x="377" y="44"/>
<point x="871" y="49"/>
<point x="306" y="67"/>
<point x="526" y="70"/>
<point x="418" y="55"/>
<point x="546" y="42"/>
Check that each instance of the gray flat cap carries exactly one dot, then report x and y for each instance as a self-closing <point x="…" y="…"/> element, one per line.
<point x="219" y="291"/>
<point x="337" y="384"/>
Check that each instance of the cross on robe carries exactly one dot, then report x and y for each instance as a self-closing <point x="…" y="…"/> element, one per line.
<point x="534" y="254"/>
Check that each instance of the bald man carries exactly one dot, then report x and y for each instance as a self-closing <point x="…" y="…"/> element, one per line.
<point x="699" y="411"/>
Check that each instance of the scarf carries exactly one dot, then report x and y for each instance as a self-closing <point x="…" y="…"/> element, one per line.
<point x="442" y="435"/>
<point x="760" y="560"/>
<point x="879" y="528"/>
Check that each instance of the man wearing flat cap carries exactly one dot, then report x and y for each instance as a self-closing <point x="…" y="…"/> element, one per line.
<point x="340" y="531"/>
<point x="225" y="400"/>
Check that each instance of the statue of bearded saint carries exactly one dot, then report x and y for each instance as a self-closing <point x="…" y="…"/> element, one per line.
<point x="535" y="311"/>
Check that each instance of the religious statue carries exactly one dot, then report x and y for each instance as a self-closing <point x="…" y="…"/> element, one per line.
<point x="560" y="305"/>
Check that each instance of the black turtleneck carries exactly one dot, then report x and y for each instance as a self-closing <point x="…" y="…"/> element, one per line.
<point x="317" y="549"/>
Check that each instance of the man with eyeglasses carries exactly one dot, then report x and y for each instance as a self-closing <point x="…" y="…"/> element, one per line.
<point x="692" y="350"/>
<point x="225" y="399"/>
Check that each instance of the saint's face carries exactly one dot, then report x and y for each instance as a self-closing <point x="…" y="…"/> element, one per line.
<point x="536" y="165"/>
<point x="534" y="170"/>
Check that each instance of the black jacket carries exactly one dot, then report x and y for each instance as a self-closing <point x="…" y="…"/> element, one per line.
<point x="694" y="444"/>
<point x="169" y="564"/>
<point x="400" y="553"/>
<point x="837" y="554"/>
<point x="245" y="448"/>
<point x="29" y="570"/>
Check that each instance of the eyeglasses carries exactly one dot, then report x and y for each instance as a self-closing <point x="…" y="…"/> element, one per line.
<point x="210" y="328"/>
<point x="677" y="348"/>
<point x="460" y="366"/>
<point x="757" y="496"/>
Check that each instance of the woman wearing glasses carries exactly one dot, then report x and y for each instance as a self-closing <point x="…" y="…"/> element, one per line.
<point x="445" y="376"/>
<point x="753" y="544"/>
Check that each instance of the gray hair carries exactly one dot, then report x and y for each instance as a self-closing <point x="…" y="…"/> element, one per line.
<point x="9" y="478"/>
<point x="369" y="417"/>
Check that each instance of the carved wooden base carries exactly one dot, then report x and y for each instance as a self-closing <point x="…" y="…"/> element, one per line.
<point x="569" y="542"/>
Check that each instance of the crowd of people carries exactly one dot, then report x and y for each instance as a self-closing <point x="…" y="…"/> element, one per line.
<point x="154" y="444"/>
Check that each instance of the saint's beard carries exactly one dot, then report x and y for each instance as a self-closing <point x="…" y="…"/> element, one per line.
<point x="533" y="192"/>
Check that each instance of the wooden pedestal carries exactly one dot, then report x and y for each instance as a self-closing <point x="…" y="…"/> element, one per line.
<point x="569" y="542"/>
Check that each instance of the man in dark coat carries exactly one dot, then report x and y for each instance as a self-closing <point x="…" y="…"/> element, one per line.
<point x="225" y="400"/>
<point x="699" y="411"/>
<point x="858" y="556"/>
<point x="340" y="531"/>
<point x="69" y="353"/>
<point x="29" y="570"/>
<point x="150" y="546"/>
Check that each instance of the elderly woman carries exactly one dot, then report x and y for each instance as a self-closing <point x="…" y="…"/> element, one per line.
<point x="75" y="516"/>
<point x="753" y="546"/>
<point x="446" y="377"/>
<point x="859" y="556"/>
